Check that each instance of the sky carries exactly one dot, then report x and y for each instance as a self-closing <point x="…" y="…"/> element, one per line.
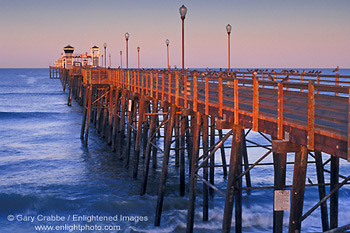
<point x="265" y="33"/>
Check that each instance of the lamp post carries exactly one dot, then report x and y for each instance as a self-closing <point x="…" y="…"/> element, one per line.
<point x="183" y="11"/>
<point x="110" y="61"/>
<point x="105" y="47"/>
<point x="127" y="51"/>
<point x="127" y="58"/>
<point x="167" y="52"/>
<point x="121" y="60"/>
<point x="138" y="57"/>
<point x="228" y="29"/>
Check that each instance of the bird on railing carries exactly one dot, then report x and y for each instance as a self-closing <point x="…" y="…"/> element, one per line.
<point x="270" y="77"/>
<point x="286" y="78"/>
<point x="336" y="69"/>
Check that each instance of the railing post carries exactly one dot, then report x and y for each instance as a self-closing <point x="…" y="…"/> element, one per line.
<point x="311" y="116"/>
<point x="163" y="86"/>
<point x="177" y="89"/>
<point x="134" y="86"/>
<point x="157" y="84"/>
<point x="140" y="82"/>
<point x="195" y="93"/>
<point x="151" y="82"/>
<point x="135" y="82"/>
<point x="129" y="80"/>
<point x="280" y="112"/>
<point x="220" y="96"/>
<point x="236" y="101"/>
<point x="336" y="82"/>
<point x="144" y="83"/>
<point x="169" y="87"/>
<point x="301" y="81"/>
<point x="255" y="104"/>
<point x="206" y="95"/>
<point x="185" y="91"/>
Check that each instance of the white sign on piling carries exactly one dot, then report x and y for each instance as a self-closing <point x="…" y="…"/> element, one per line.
<point x="282" y="200"/>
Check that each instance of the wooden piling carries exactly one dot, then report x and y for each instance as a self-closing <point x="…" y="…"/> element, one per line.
<point x="154" y="140"/>
<point x="189" y="140"/>
<point x="85" y="106"/>
<point x="70" y="84"/>
<point x="99" y="100"/>
<point x="298" y="189"/>
<point x="165" y="107"/>
<point x="88" y="97"/>
<point x="116" y="119"/>
<point x="163" y="178"/>
<point x="223" y="155"/>
<point x="142" y="110"/>
<point x="111" y="106"/>
<point x="193" y="178"/>
<point x="177" y="140"/>
<point x="151" y="135"/>
<point x="131" y="112"/>
<point x="145" y="131"/>
<point x="205" y="142"/>
<point x="333" y="203"/>
<point x="212" y="159"/>
<point x="232" y="183"/>
<point x="122" y="124"/>
<point x="280" y="162"/>
<point x="182" y="154"/>
<point x="246" y="161"/>
<point x="321" y="190"/>
<point x="105" y="116"/>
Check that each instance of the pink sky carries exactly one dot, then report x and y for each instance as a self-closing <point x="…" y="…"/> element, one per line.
<point x="271" y="33"/>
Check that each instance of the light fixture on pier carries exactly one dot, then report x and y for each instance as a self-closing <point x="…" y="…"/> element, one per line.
<point x="183" y="11"/>
<point x="121" y="60"/>
<point x="228" y="29"/>
<point x="127" y="51"/>
<point x="138" y="57"/>
<point x="167" y="52"/>
<point x="105" y="47"/>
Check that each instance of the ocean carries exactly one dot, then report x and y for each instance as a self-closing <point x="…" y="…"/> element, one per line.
<point x="50" y="182"/>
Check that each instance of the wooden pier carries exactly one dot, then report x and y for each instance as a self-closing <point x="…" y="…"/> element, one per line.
<point x="304" y="113"/>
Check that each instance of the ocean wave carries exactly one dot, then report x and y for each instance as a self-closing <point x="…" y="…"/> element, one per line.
<point x="17" y="115"/>
<point x="31" y="204"/>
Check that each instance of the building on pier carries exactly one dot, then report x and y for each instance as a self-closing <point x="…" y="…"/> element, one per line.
<point x="68" y="56"/>
<point x="95" y="56"/>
